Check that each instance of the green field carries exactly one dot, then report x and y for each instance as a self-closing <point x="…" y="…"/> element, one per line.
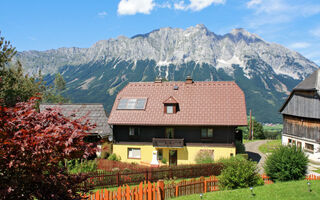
<point x="282" y="191"/>
<point x="270" y="146"/>
<point x="276" y="128"/>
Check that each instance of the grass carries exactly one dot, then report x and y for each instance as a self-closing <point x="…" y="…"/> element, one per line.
<point x="276" y="128"/>
<point x="270" y="146"/>
<point x="282" y="191"/>
<point x="317" y="171"/>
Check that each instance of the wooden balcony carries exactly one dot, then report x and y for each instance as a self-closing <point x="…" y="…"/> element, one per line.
<point x="167" y="142"/>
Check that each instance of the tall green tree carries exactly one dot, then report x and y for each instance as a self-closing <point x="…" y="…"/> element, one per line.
<point x="258" y="132"/>
<point x="6" y="52"/>
<point x="53" y="94"/>
<point x="16" y="87"/>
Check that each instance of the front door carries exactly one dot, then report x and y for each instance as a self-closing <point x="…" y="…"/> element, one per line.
<point x="173" y="157"/>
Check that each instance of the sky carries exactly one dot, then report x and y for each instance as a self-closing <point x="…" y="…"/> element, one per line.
<point x="51" y="24"/>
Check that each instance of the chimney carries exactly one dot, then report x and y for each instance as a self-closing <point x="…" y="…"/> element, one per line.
<point x="189" y="80"/>
<point x="158" y="80"/>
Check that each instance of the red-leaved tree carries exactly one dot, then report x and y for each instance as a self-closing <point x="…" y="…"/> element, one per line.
<point x="32" y="147"/>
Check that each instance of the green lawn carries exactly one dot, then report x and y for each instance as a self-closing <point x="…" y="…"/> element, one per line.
<point x="270" y="146"/>
<point x="277" y="128"/>
<point x="317" y="171"/>
<point x="282" y="191"/>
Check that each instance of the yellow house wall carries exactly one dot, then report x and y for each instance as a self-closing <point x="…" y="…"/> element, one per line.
<point x="186" y="155"/>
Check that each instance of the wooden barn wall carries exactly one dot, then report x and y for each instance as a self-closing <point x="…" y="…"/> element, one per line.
<point x="303" y="105"/>
<point x="301" y="127"/>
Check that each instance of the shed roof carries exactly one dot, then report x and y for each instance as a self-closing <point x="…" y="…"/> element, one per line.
<point x="312" y="82"/>
<point x="299" y="103"/>
<point x="95" y="113"/>
<point x="200" y="103"/>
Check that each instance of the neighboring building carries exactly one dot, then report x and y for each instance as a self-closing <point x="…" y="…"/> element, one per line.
<point x="95" y="113"/>
<point x="301" y="116"/>
<point x="176" y="120"/>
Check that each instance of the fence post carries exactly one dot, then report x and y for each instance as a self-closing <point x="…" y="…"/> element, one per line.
<point x="161" y="189"/>
<point x="149" y="190"/>
<point x="177" y="191"/>
<point x="118" y="179"/>
<point x="119" y="196"/>
<point x="140" y="191"/>
<point x="146" y="175"/>
<point x="205" y="186"/>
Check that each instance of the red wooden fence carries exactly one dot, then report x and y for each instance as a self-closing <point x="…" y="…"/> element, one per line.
<point x="109" y="179"/>
<point x="312" y="177"/>
<point x="161" y="191"/>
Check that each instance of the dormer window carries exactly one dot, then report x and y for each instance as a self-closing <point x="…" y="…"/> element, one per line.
<point x="171" y="106"/>
<point x="169" y="109"/>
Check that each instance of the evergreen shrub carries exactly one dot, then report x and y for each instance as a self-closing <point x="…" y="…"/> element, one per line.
<point x="239" y="173"/>
<point x="286" y="163"/>
<point x="240" y="148"/>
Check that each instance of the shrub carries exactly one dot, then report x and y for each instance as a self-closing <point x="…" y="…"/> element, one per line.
<point x="239" y="173"/>
<point x="76" y="166"/>
<point x="114" y="157"/>
<point x="164" y="161"/>
<point x="240" y="148"/>
<point x="204" y="157"/>
<point x="104" y="155"/>
<point x="244" y="155"/>
<point x="286" y="163"/>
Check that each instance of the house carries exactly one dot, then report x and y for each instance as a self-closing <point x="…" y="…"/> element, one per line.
<point x="174" y="121"/>
<point x="95" y="113"/>
<point x="301" y="116"/>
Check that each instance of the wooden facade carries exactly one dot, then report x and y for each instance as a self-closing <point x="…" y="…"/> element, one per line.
<point x="192" y="134"/>
<point x="302" y="127"/>
<point x="301" y="117"/>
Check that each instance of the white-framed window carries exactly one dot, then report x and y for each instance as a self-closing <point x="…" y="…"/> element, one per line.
<point x="134" y="153"/>
<point x="309" y="147"/>
<point x="206" y="133"/>
<point x="169" y="109"/>
<point x="134" y="131"/>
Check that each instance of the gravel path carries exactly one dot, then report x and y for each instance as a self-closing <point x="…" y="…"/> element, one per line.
<point x="252" y="148"/>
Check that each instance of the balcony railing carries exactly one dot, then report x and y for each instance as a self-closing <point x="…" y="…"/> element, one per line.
<point x="166" y="142"/>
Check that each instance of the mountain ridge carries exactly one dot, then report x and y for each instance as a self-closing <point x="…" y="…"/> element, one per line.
<point x="265" y="71"/>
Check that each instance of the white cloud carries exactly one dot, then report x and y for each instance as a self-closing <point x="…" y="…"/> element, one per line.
<point x="299" y="45"/>
<point x="315" y="32"/>
<point x="102" y="14"/>
<point x="252" y="3"/>
<point x="132" y="7"/>
<point x="164" y="5"/>
<point x="196" y="5"/>
<point x="279" y="11"/>
<point x="180" y="6"/>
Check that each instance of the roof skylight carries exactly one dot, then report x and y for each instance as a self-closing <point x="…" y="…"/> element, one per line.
<point x="132" y="104"/>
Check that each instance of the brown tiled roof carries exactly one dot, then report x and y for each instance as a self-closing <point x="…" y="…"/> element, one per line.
<point x="200" y="103"/>
<point x="95" y="113"/>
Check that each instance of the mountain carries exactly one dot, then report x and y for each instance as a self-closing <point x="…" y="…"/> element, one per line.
<point x="265" y="71"/>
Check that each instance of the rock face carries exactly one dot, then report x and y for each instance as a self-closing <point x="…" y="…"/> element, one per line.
<point x="265" y="71"/>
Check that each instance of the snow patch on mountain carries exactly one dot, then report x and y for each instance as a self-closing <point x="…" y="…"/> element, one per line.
<point x="178" y="46"/>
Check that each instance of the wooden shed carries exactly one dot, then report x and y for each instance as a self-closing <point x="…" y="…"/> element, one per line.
<point x="301" y="116"/>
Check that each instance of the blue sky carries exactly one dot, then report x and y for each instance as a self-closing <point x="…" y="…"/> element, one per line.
<point x="50" y="24"/>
